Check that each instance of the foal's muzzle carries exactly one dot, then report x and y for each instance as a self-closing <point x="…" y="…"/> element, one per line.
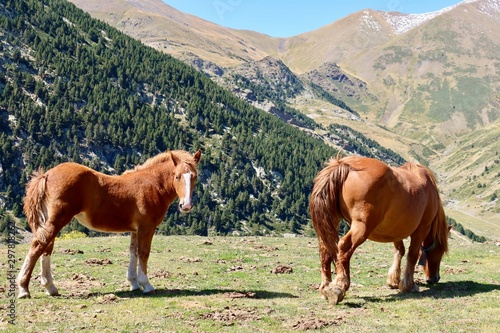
<point x="185" y="208"/>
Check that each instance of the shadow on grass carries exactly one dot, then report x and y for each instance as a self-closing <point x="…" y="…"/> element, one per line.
<point x="438" y="291"/>
<point x="254" y="294"/>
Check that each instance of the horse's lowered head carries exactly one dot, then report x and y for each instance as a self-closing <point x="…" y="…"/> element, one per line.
<point x="185" y="175"/>
<point x="430" y="258"/>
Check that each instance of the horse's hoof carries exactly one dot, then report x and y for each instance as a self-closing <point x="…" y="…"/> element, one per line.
<point x="334" y="296"/>
<point x="24" y="295"/>
<point x="152" y="292"/>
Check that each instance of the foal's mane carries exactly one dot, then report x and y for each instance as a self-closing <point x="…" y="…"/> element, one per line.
<point x="164" y="157"/>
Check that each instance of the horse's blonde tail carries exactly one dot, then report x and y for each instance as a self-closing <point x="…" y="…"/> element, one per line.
<point x="324" y="204"/>
<point x="35" y="205"/>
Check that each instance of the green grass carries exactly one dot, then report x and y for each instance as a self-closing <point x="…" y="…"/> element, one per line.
<point x="228" y="286"/>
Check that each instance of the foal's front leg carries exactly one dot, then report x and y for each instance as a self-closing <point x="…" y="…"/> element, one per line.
<point x="132" y="265"/>
<point x="144" y="248"/>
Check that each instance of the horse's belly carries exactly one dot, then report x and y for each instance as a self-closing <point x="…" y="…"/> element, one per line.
<point x="104" y="226"/>
<point x="391" y="231"/>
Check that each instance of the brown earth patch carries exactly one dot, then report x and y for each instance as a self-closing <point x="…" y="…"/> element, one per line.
<point x="161" y="274"/>
<point x="236" y="294"/>
<point x="231" y="316"/>
<point x="189" y="260"/>
<point x="98" y="262"/>
<point x="71" y="251"/>
<point x="314" y="323"/>
<point x="282" y="269"/>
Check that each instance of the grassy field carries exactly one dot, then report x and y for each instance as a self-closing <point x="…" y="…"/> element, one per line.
<point x="251" y="284"/>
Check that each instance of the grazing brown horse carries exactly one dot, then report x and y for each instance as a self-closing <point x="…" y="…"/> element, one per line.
<point x="383" y="204"/>
<point x="134" y="202"/>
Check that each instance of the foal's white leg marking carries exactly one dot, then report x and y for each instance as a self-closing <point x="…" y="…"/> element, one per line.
<point x="132" y="271"/>
<point x="144" y="281"/>
<point x="187" y="195"/>
<point x="46" y="279"/>
<point x="132" y="265"/>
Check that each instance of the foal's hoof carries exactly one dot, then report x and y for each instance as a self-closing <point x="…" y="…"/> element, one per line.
<point x="152" y="292"/>
<point x="334" y="296"/>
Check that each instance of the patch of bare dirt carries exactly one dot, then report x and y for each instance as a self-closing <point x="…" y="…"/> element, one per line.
<point x="161" y="274"/>
<point x="236" y="294"/>
<point x="451" y="270"/>
<point x="230" y="316"/>
<point x="314" y="323"/>
<point x="265" y="248"/>
<point x="282" y="269"/>
<point x="235" y="268"/>
<point x="98" y="262"/>
<point x="108" y="299"/>
<point x="79" y="285"/>
<point x="71" y="251"/>
<point x="189" y="260"/>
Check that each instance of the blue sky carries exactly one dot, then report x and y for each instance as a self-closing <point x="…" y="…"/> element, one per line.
<point x="285" y="18"/>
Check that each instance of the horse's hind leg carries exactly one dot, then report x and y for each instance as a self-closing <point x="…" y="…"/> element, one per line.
<point x="394" y="275"/>
<point x="354" y="238"/>
<point x="46" y="274"/>
<point x="132" y="266"/>
<point x="407" y="283"/>
<point x="326" y="259"/>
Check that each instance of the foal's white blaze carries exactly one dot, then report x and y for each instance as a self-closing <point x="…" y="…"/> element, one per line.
<point x="186" y="202"/>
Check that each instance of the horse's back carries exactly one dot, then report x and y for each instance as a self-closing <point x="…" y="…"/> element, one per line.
<point x="391" y="201"/>
<point x="72" y="184"/>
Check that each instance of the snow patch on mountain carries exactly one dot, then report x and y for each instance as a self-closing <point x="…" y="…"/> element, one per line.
<point x="370" y="21"/>
<point x="402" y="23"/>
<point x="490" y="8"/>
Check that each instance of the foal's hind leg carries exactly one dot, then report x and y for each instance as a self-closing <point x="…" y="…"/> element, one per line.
<point x="132" y="266"/>
<point x="394" y="275"/>
<point x="38" y="246"/>
<point x="46" y="274"/>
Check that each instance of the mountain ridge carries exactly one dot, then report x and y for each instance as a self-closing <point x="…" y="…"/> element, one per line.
<point x="419" y="82"/>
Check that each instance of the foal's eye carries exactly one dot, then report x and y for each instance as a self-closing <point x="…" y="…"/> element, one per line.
<point x="177" y="177"/>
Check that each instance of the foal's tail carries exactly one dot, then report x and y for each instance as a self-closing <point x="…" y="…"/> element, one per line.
<point x="35" y="206"/>
<point x="324" y="204"/>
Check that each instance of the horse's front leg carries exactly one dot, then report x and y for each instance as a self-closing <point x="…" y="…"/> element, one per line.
<point x="144" y="248"/>
<point x="132" y="265"/>
<point x="407" y="283"/>
<point x="394" y="274"/>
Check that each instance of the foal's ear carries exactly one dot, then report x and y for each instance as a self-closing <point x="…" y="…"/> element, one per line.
<point x="174" y="158"/>
<point x="197" y="156"/>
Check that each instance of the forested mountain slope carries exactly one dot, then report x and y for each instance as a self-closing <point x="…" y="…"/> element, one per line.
<point x="73" y="88"/>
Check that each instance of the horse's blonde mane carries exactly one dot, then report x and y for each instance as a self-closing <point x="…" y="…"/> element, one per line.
<point x="164" y="157"/>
